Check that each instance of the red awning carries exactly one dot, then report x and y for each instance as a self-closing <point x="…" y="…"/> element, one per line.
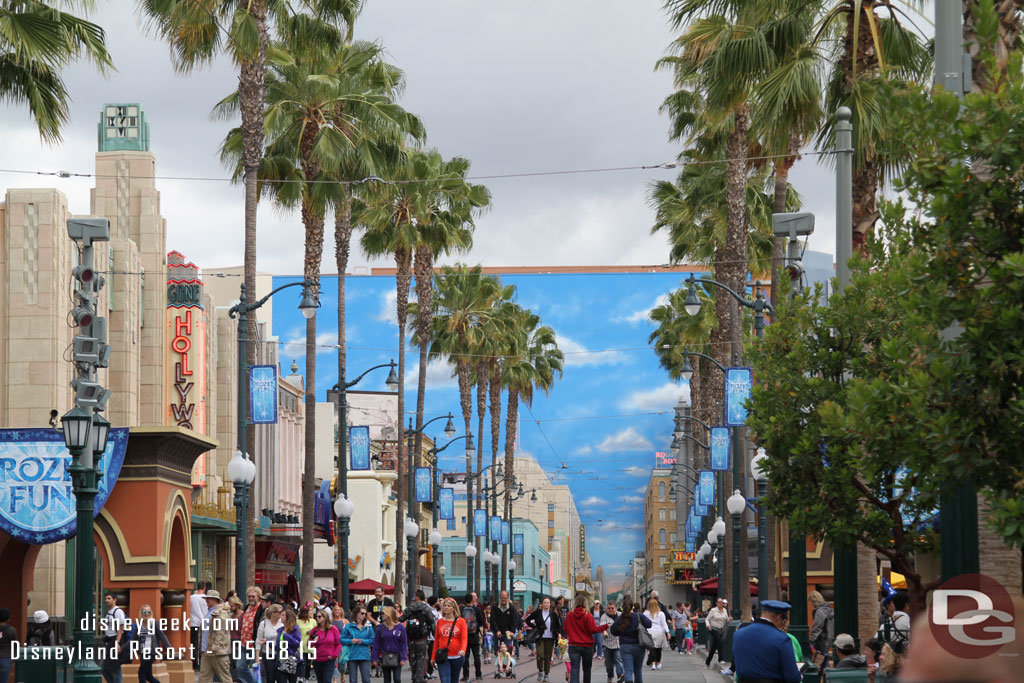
<point x="369" y="586"/>
<point x="710" y="587"/>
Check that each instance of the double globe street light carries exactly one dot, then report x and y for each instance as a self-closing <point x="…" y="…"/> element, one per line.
<point x="242" y="472"/>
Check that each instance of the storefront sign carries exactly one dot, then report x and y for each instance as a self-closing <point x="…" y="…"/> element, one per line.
<point x="480" y="522"/>
<point x="583" y="544"/>
<point x="738" y="385"/>
<point x="719" y="449"/>
<point x="359" y="447"/>
<point x="423" y="492"/>
<point x="662" y="459"/>
<point x="446" y="503"/>
<point x="263" y="394"/>
<point x="36" y="501"/>
<point x="519" y="585"/>
<point x="186" y="328"/>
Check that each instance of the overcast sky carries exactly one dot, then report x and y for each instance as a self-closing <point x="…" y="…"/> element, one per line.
<point x="514" y="86"/>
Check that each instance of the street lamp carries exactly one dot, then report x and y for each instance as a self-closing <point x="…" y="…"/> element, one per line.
<point x="719" y="529"/>
<point x="241" y="310"/>
<point x="692" y="304"/>
<point x="78" y="426"/>
<point x="705" y="551"/>
<point x="511" y="575"/>
<point x="757" y="468"/>
<point x="412" y="529"/>
<point x="435" y="542"/>
<point x="241" y="472"/>
<point x="736" y="504"/>
<point x="470" y="554"/>
<point x="432" y="454"/>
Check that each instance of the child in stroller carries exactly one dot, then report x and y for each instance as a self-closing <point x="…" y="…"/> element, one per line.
<point x="505" y="663"/>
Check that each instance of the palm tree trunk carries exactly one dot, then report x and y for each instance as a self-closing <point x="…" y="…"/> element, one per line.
<point x="424" y="271"/>
<point x="342" y="248"/>
<point x="511" y="419"/>
<point x="309" y="466"/>
<point x="403" y="259"/>
<point x="480" y="497"/>
<point x="1009" y="32"/>
<point x="465" y="403"/>
<point x="494" y="382"/>
<point x="481" y="412"/>
<point x="251" y="95"/>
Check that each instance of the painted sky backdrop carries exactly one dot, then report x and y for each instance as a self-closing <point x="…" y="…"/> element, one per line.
<point x="599" y="419"/>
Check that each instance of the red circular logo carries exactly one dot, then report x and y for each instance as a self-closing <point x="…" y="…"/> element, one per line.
<point x="971" y="616"/>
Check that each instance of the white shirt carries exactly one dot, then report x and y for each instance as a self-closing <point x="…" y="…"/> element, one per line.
<point x="658" y="623"/>
<point x="718" y="617"/>
<point x="115" y="619"/>
<point x="268" y="632"/>
<point x="545" y="615"/>
<point x="197" y="609"/>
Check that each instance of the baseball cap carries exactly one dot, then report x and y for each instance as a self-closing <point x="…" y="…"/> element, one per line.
<point x="844" y="642"/>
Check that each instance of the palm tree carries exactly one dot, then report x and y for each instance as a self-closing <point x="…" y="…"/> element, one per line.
<point x="36" y="42"/>
<point x="1008" y="29"/>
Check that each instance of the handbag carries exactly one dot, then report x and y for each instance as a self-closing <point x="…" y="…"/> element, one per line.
<point x="389" y="660"/>
<point x="285" y="662"/>
<point x="643" y="636"/>
<point x="441" y="656"/>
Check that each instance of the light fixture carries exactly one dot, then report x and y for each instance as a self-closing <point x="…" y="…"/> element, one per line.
<point x="485" y="556"/>
<point x="713" y="536"/>
<point x="511" y="565"/>
<point x="309" y="304"/>
<point x="435" y="537"/>
<point x="687" y="371"/>
<point x="520" y="492"/>
<point x="470" y="551"/>
<point x="692" y="303"/>
<point x="240" y="469"/>
<point x="736" y="503"/>
<point x="392" y="381"/>
<point x="449" y="429"/>
<point x="343" y="507"/>
<point x="411" y="528"/>
<point x="719" y="527"/>
<point x="500" y="474"/>
<point x="470" y="448"/>
<point x="533" y="496"/>
<point x="706" y="549"/>
<point x="99" y="433"/>
<point x="757" y="465"/>
<point x="76" y="423"/>
<point x="443" y="570"/>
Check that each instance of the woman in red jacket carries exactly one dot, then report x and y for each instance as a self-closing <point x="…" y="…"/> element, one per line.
<point x="580" y="629"/>
<point x="451" y="639"/>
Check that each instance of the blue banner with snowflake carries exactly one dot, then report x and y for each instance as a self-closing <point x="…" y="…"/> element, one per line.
<point x="36" y="502"/>
<point x="263" y="394"/>
<point x="739" y="382"/>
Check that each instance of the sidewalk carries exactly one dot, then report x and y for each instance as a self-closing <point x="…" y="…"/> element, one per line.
<point x="676" y="668"/>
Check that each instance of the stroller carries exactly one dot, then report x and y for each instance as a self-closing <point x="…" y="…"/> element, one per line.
<point x="511" y="673"/>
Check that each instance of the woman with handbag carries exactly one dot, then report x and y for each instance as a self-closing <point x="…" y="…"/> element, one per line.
<point x="547" y="627"/>
<point x="289" y="650"/>
<point x="267" y="634"/>
<point x="631" y="628"/>
<point x="658" y="630"/>
<point x="326" y="641"/>
<point x="357" y="638"/>
<point x="451" y="638"/>
<point x="391" y="645"/>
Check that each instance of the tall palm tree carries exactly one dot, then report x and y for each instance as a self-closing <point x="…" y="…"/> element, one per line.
<point x="1009" y="27"/>
<point x="37" y="41"/>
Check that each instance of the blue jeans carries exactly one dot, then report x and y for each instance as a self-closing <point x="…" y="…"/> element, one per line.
<point x="580" y="657"/>
<point x="450" y="670"/>
<point x="598" y="645"/>
<point x="324" y="670"/>
<point x="632" y="661"/>
<point x="357" y="667"/>
<point x="5" y="669"/>
<point x="612" y="662"/>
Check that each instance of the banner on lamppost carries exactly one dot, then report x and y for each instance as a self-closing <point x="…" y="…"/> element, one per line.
<point x="738" y="385"/>
<point x="689" y="546"/>
<point x="479" y="522"/>
<point x="263" y="394"/>
<point x="707" y="488"/>
<point x="451" y="524"/>
<point x="495" y="529"/>
<point x="506" y="531"/>
<point x="423" y="492"/>
<point x="700" y="510"/>
<point x="517" y="544"/>
<point x="719" y="444"/>
<point x="446" y="504"/>
<point x="359" y="447"/>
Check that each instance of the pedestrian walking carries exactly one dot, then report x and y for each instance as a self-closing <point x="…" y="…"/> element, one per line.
<point x="114" y="624"/>
<point x="196" y="611"/>
<point x="716" y="621"/>
<point x="505" y="621"/>
<point x="450" y="642"/>
<point x="358" y="638"/>
<point x="762" y="651"/>
<point x="216" y="640"/>
<point x="597" y="612"/>
<point x="326" y="643"/>
<point x="659" y="631"/>
<point x="680" y="616"/>
<point x="822" y="628"/>
<point x="580" y="628"/>
<point x="476" y="624"/>
<point x="289" y="653"/>
<point x="435" y="611"/>
<point x="627" y="628"/>
<point x="419" y="624"/>
<point x="610" y="641"/>
<point x="306" y="623"/>
<point x="148" y="634"/>
<point x="379" y="602"/>
<point x="268" y="634"/>
<point x="8" y="636"/>
<point x="391" y="646"/>
<point x="548" y="623"/>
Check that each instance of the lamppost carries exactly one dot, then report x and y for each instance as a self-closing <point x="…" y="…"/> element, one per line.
<point x="435" y="543"/>
<point x="343" y="510"/>
<point x="432" y="454"/>
<point x="511" y="575"/>
<point x="449" y="430"/>
<point x="85" y="436"/>
<point x="441" y="572"/>
<point x="242" y="472"/>
<point x="736" y="504"/>
<point x="719" y="530"/>
<point x="757" y="468"/>
<point x="470" y="554"/>
<point x="241" y="310"/>
<point x="412" y="529"/>
<point x="343" y="521"/>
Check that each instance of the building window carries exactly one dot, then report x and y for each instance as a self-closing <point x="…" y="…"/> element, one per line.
<point x="661" y="515"/>
<point x="661" y="538"/>
<point x="661" y="490"/>
<point x="551" y="524"/>
<point x="551" y="507"/>
<point x="458" y="567"/>
<point x="520" y="566"/>
<point x="672" y="538"/>
<point x="672" y="513"/>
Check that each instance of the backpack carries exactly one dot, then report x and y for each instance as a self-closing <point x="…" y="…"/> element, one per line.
<point x="415" y="629"/>
<point x="469" y="614"/>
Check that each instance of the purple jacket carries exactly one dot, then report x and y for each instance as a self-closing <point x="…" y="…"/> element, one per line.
<point x="390" y="640"/>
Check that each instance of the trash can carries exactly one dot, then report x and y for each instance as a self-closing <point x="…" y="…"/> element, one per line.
<point x="38" y="663"/>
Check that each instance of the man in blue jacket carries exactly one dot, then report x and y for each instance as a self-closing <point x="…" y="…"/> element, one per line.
<point x="762" y="652"/>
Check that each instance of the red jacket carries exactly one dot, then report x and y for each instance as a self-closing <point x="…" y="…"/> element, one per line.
<point x="580" y="627"/>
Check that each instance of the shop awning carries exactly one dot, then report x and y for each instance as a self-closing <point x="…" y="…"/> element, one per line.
<point x="369" y="586"/>
<point x="710" y="587"/>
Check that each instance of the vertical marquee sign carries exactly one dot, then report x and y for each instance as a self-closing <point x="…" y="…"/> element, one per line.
<point x="186" y="366"/>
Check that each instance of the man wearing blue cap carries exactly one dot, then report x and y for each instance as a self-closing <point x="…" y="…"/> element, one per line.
<point x="762" y="652"/>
